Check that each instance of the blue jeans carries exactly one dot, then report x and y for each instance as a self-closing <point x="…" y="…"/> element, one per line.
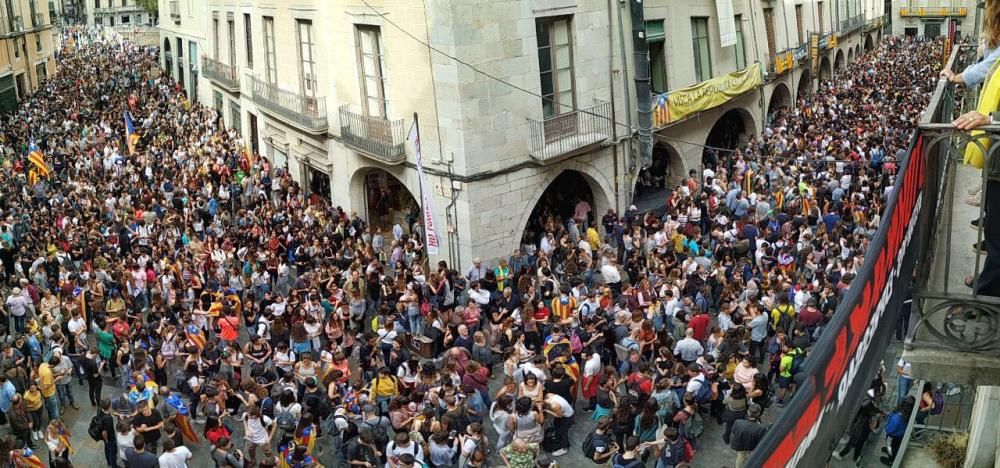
<point x="52" y="406"/>
<point x="904" y="385"/>
<point x="65" y="392"/>
<point x="416" y="323"/>
<point x="19" y="323"/>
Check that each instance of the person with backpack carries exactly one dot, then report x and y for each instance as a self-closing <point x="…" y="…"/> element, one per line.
<point x="790" y="364"/>
<point x="378" y="426"/>
<point x="287" y="412"/>
<point x="599" y="446"/>
<point x="471" y="441"/>
<point x="674" y="449"/>
<point x="402" y="445"/>
<point x="630" y="458"/>
<point x="895" y="429"/>
<point x="747" y="434"/>
<point x="698" y="385"/>
<point x="931" y="402"/>
<point x="259" y="431"/>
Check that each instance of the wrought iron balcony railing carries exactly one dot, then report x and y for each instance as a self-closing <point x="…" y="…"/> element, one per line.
<point x="227" y="76"/>
<point x="851" y="24"/>
<point x="175" y="10"/>
<point x="570" y="133"/>
<point x="381" y="139"/>
<point x="955" y="308"/>
<point x="933" y="12"/>
<point x="305" y="112"/>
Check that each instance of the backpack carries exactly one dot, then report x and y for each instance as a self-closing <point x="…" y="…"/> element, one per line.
<point x="575" y="345"/>
<point x="695" y="426"/>
<point x="675" y="453"/>
<point x="704" y="391"/>
<point x="94" y="429"/>
<point x="349" y="432"/>
<point x="798" y="359"/>
<point x="589" y="449"/>
<point x="379" y="434"/>
<point x="938" y="403"/>
<point x="286" y="420"/>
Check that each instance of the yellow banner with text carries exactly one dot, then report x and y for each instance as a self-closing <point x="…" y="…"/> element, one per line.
<point x="676" y="105"/>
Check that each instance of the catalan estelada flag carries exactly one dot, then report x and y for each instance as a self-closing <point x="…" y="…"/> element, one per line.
<point x="195" y="336"/>
<point x="131" y="138"/>
<point x="36" y="158"/>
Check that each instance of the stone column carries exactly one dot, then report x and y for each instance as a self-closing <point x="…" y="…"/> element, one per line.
<point x="984" y="434"/>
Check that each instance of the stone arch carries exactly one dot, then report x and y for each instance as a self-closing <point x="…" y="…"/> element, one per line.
<point x="558" y="192"/>
<point x="850" y="56"/>
<point x="733" y="127"/>
<point x="838" y="62"/>
<point x="804" y="87"/>
<point x="666" y="171"/>
<point x="825" y="69"/>
<point x="781" y="96"/>
<point x="381" y="196"/>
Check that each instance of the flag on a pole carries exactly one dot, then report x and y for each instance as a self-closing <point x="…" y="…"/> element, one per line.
<point x="131" y="138"/>
<point x="36" y="158"/>
<point x="430" y="232"/>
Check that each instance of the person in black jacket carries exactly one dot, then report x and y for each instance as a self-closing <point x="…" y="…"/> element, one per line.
<point x="747" y="433"/>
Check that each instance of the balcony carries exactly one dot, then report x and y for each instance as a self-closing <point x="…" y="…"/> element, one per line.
<point x="876" y="23"/>
<point x="175" y="11"/>
<point x="381" y="139"/>
<point x="571" y="133"/>
<point x="227" y="76"/>
<point x="780" y="62"/>
<point x="850" y="25"/>
<point x="933" y="12"/>
<point x="955" y="330"/>
<point x="308" y="113"/>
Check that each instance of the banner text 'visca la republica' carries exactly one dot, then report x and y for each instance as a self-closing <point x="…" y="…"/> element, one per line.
<point x="842" y="364"/>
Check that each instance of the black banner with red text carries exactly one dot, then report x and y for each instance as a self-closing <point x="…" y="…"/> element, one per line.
<point x="842" y="364"/>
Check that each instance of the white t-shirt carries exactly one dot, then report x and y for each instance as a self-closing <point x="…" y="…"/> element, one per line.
<point x="257" y="430"/>
<point x="175" y="459"/>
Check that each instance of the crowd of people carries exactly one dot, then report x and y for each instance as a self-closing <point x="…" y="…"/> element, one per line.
<point x="238" y="311"/>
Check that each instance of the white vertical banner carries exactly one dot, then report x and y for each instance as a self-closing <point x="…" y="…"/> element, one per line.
<point x="727" y="22"/>
<point x="430" y="232"/>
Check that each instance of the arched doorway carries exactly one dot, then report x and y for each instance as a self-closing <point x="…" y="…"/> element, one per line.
<point x="557" y="205"/>
<point x="655" y="181"/>
<point x="850" y="56"/>
<point x="825" y="69"/>
<point x="780" y="97"/>
<point x="804" y="88"/>
<point x="838" y="63"/>
<point x="388" y="201"/>
<point x="731" y="129"/>
<point x="168" y="57"/>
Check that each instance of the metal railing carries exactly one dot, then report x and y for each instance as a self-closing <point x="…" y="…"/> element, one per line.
<point x="851" y="24"/>
<point x="175" y="10"/>
<point x="221" y="73"/>
<point x="780" y="62"/>
<point x="951" y="315"/>
<point x="306" y="112"/>
<point x="926" y="12"/>
<point x="569" y="132"/>
<point x="382" y="139"/>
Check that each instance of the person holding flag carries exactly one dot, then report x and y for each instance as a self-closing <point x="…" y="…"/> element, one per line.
<point x="131" y="137"/>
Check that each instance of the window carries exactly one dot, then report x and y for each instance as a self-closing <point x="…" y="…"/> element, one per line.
<point x="269" y="59"/>
<point x="740" y="49"/>
<point x="217" y="99"/>
<point x="798" y="23"/>
<point x="111" y="20"/>
<point x="232" y="41"/>
<point x="17" y="48"/>
<point x="247" y="28"/>
<point x="555" y="65"/>
<point x="371" y="62"/>
<point x="97" y="5"/>
<point x="126" y="19"/>
<point x="769" y="30"/>
<point x="215" y="35"/>
<point x="38" y="42"/>
<point x="307" y="61"/>
<point x="819" y="9"/>
<point x="702" y="53"/>
<point x="235" y="117"/>
<point x="656" y="38"/>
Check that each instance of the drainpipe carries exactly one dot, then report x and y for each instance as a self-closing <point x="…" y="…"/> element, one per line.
<point x="614" y="113"/>
<point x="643" y="92"/>
<point x="628" y="108"/>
